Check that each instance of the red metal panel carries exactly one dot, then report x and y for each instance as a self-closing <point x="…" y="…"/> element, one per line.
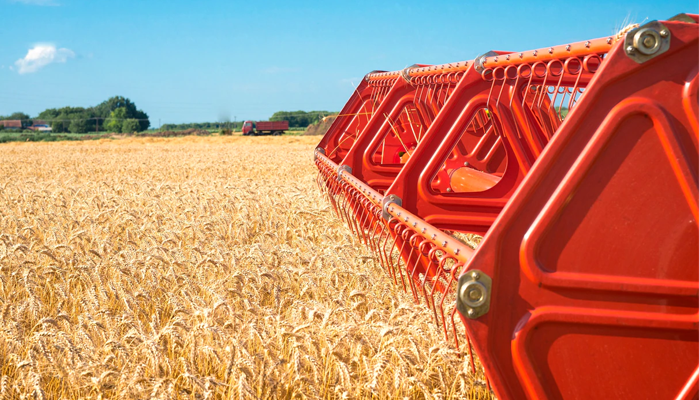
<point x="595" y="259"/>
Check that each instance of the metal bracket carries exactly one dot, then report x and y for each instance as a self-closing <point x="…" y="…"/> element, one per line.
<point x="404" y="73"/>
<point x="318" y="150"/>
<point x="478" y="62"/>
<point x="646" y="42"/>
<point x="386" y="202"/>
<point x="473" y="294"/>
<point x="343" y="168"/>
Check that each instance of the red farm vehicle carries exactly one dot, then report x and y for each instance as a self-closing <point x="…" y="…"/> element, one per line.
<point x="577" y="164"/>
<point x="252" y="128"/>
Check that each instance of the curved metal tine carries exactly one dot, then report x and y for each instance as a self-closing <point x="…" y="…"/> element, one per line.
<point x="372" y="97"/>
<point x="410" y="122"/>
<point x="400" y="259"/>
<point x="439" y="91"/>
<point x="382" y="253"/>
<point x="390" y="254"/>
<point x="573" y="94"/>
<point x="441" y="303"/>
<point x="490" y="92"/>
<point x="385" y="234"/>
<point x="555" y="91"/>
<point x="528" y="88"/>
<point x="408" y="273"/>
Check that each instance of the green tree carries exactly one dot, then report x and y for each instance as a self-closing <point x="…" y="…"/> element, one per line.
<point x="130" y="125"/>
<point x="104" y="110"/>
<point x="17" y="115"/>
<point x="78" y="125"/>
<point x="116" y="120"/>
<point x="300" y="119"/>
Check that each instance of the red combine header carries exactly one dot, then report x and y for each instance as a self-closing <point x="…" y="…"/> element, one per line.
<point x="578" y="164"/>
<point x="265" y="127"/>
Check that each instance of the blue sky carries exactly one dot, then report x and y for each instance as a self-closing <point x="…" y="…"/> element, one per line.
<point x="187" y="61"/>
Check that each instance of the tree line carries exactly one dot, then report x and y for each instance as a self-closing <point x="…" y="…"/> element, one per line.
<point x="300" y="119"/>
<point x="117" y="114"/>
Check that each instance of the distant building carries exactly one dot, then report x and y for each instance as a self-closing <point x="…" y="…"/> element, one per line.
<point x="40" y="126"/>
<point x="11" y="124"/>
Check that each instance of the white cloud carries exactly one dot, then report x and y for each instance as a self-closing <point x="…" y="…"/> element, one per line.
<point x="42" y="55"/>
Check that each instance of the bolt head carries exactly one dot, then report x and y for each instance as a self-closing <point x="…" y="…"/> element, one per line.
<point x="475" y="275"/>
<point x="448" y="189"/>
<point x="473" y="294"/>
<point x="630" y="49"/>
<point x="664" y="33"/>
<point x="471" y="313"/>
<point x="466" y="164"/>
<point x="649" y="41"/>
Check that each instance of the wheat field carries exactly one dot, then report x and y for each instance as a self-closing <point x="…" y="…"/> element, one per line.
<point x="199" y="268"/>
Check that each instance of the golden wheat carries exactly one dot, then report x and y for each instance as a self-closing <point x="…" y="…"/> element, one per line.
<point x="199" y="268"/>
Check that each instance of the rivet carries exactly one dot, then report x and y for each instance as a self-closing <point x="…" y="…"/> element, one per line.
<point x="456" y="252"/>
<point x="448" y="189"/>
<point x="550" y="50"/>
<point x="475" y="275"/>
<point x="399" y="213"/>
<point x="466" y="164"/>
<point x="471" y="313"/>
<point x="664" y="33"/>
<point x="568" y="48"/>
<point x="630" y="49"/>
<point x="434" y="236"/>
<point x="406" y="219"/>
<point x="508" y="57"/>
<point x="424" y="230"/>
<point x="444" y="243"/>
<point x="534" y="53"/>
<point x="521" y="55"/>
<point x="414" y="224"/>
<point x="587" y="44"/>
<point x="609" y="40"/>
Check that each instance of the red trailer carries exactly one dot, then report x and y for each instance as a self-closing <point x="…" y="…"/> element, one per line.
<point x="265" y="127"/>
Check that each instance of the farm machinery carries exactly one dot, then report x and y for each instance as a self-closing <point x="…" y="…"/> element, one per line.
<point x="578" y="165"/>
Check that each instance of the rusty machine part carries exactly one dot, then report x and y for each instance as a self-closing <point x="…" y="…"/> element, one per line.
<point x="579" y="165"/>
